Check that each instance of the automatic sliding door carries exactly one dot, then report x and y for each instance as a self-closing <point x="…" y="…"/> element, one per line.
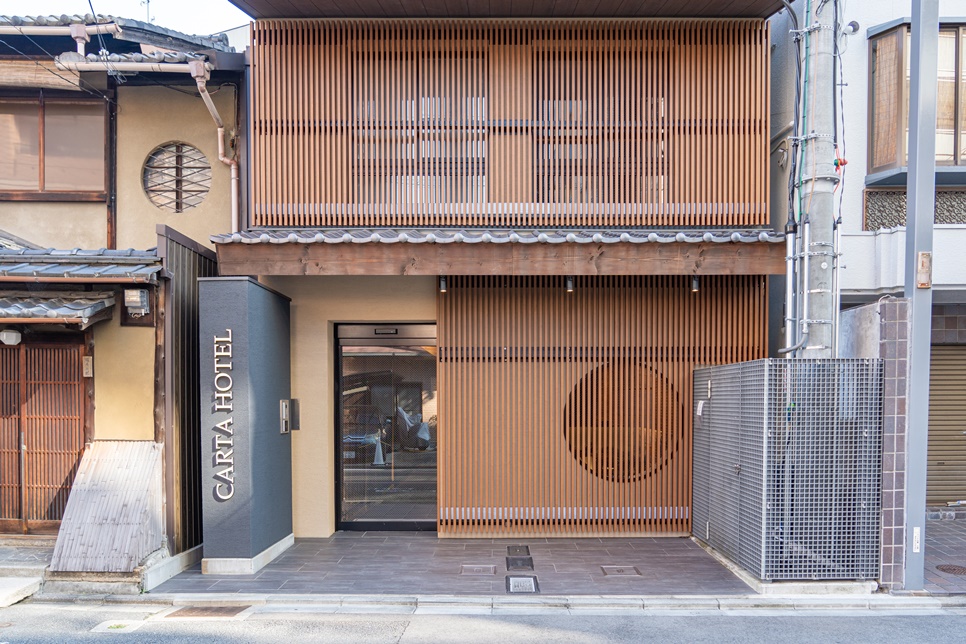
<point x="387" y="426"/>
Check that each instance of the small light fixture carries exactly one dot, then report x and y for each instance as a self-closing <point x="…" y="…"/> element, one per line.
<point x="695" y="285"/>
<point x="10" y="337"/>
<point x="851" y="29"/>
<point x="569" y="283"/>
<point x="442" y="284"/>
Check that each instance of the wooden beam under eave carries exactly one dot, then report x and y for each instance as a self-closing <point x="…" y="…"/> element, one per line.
<point x="732" y="258"/>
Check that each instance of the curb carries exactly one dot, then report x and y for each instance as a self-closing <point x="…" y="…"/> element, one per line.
<point x="476" y="604"/>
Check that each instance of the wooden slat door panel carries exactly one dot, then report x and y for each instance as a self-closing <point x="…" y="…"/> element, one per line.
<point x="9" y="433"/>
<point x="44" y="409"/>
<point x="568" y="413"/>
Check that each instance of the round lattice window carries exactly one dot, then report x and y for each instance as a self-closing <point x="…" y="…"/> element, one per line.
<point x="622" y="422"/>
<point x="176" y="177"/>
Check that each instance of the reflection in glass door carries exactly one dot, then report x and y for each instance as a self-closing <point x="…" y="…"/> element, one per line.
<point x="387" y="426"/>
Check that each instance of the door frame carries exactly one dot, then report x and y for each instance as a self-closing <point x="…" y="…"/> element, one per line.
<point x="373" y="334"/>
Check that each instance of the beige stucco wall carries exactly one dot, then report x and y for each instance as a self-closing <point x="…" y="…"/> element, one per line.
<point x="318" y="303"/>
<point x="56" y="225"/>
<point x="151" y="116"/>
<point x="123" y="381"/>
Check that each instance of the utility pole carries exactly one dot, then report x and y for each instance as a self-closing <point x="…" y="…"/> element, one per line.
<point x="920" y="217"/>
<point x="818" y="177"/>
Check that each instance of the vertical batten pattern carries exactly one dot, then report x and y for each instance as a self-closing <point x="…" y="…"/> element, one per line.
<point x="569" y="413"/>
<point x="509" y="123"/>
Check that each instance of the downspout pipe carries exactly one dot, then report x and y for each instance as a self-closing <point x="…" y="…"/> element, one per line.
<point x="199" y="71"/>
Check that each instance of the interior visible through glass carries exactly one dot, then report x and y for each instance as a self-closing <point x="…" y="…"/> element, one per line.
<point x="388" y="433"/>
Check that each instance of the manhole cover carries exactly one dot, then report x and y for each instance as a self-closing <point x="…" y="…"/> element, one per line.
<point x="620" y="570"/>
<point x="518" y="551"/>
<point x="207" y="611"/>
<point x="468" y="569"/>
<point x="519" y="584"/>
<point x="952" y="569"/>
<point x="519" y="563"/>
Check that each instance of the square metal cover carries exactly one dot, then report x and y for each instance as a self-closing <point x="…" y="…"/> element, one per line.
<point x="519" y="563"/>
<point x="477" y="569"/>
<point x="208" y="611"/>
<point x="620" y="570"/>
<point x="518" y="551"/>
<point x="522" y="584"/>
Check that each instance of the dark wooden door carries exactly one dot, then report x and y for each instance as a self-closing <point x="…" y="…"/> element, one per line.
<point x="42" y="433"/>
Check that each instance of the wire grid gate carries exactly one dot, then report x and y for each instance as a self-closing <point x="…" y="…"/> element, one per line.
<point x="787" y="466"/>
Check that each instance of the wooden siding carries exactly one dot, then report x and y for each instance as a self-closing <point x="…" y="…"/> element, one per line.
<point x="113" y="520"/>
<point x="570" y="413"/>
<point x="185" y="262"/>
<point x="509" y="123"/>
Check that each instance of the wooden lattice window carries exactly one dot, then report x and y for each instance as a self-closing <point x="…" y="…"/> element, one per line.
<point x="176" y="177"/>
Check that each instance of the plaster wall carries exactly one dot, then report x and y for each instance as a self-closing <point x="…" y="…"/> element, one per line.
<point x="56" y="225"/>
<point x="123" y="381"/>
<point x="152" y="116"/>
<point x="318" y="304"/>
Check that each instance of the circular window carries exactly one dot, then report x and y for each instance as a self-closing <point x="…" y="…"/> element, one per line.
<point x="622" y="421"/>
<point x="176" y="177"/>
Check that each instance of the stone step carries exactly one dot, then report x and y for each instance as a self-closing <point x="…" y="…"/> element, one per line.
<point x="15" y="589"/>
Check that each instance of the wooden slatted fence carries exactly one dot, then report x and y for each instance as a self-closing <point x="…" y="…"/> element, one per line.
<point x="509" y="123"/>
<point x="569" y="413"/>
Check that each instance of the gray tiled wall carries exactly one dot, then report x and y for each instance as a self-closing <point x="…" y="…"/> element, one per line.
<point x="881" y="330"/>
<point x="894" y="349"/>
<point x="949" y="324"/>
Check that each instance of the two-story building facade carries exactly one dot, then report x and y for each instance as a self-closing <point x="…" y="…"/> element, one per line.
<point x="505" y="240"/>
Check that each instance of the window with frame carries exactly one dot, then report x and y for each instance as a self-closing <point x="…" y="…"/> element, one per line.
<point x="51" y="147"/>
<point x="889" y="76"/>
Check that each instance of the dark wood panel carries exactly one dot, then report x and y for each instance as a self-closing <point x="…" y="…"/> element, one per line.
<point x="502" y="259"/>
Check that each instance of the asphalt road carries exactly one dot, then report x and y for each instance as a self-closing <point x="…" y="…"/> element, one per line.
<point x="58" y="623"/>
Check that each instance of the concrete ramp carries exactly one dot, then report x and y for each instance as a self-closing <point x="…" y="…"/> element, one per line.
<point x="14" y="589"/>
<point x="113" y="519"/>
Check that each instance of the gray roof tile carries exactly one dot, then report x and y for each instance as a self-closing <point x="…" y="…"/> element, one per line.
<point x="492" y="236"/>
<point x="41" y="306"/>
<point x="79" y="265"/>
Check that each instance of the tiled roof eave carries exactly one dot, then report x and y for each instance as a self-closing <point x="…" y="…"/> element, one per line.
<point x="495" y="236"/>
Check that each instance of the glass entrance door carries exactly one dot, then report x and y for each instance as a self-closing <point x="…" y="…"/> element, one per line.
<point x="387" y="426"/>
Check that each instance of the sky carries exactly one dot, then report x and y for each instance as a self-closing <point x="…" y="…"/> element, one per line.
<point x="201" y="17"/>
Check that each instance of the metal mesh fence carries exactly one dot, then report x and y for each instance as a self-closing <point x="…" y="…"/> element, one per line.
<point x="787" y="460"/>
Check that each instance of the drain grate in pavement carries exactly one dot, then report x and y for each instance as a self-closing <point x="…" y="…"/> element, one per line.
<point x="468" y="569"/>
<point x="208" y="611"/>
<point x="952" y="569"/>
<point x="521" y="584"/>
<point x="518" y="551"/>
<point x="610" y="571"/>
<point x="519" y="563"/>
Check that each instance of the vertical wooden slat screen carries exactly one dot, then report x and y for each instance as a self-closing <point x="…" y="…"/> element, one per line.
<point x="53" y="418"/>
<point x="9" y="432"/>
<point x="570" y="413"/>
<point x="509" y="123"/>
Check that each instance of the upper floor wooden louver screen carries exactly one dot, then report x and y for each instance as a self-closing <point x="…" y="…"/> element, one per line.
<point x="510" y="123"/>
